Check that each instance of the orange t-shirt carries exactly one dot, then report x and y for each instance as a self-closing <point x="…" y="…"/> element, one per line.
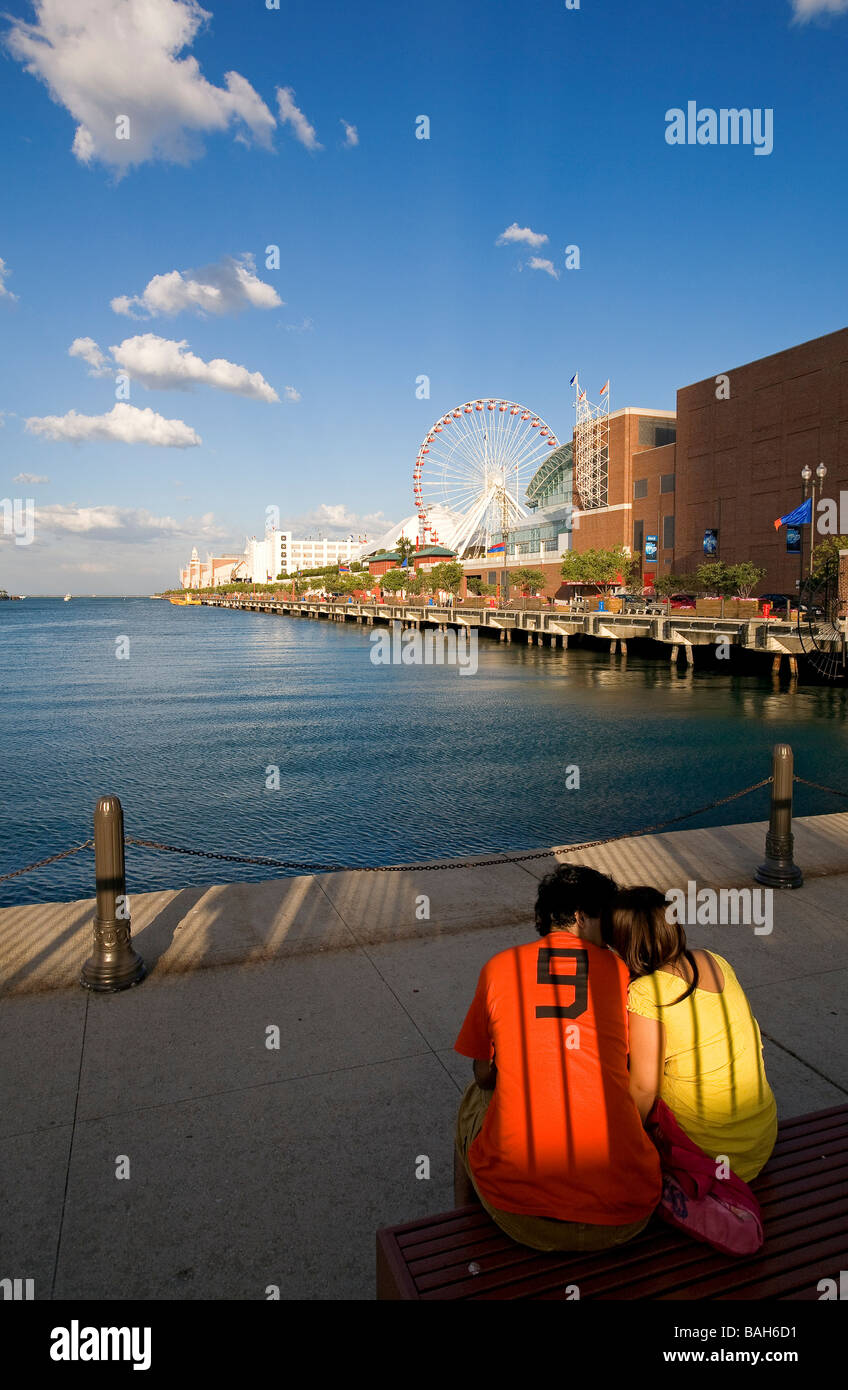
<point x="562" y="1137"/>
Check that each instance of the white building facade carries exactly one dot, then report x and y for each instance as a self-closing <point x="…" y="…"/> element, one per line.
<point x="211" y="572"/>
<point x="278" y="553"/>
<point x="267" y="557"/>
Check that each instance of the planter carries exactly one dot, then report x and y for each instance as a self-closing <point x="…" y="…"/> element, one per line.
<point x="710" y="607"/>
<point x="742" y="607"/>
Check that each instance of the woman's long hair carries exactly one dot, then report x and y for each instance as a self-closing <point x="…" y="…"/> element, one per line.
<point x="638" y="927"/>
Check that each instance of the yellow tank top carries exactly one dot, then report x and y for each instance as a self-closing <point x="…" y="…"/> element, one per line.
<point x="714" y="1079"/>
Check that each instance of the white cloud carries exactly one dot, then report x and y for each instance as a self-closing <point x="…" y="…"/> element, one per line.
<point x="225" y="288"/>
<point x="165" y="365"/>
<point x="291" y="394"/>
<point x="351" y="135"/>
<point x="130" y="551"/>
<point x="102" y="59"/>
<point x="122" y="523"/>
<point x="305" y="327"/>
<point x="4" y="271"/>
<point x="537" y="263"/>
<point x="336" y="521"/>
<point x="87" y="349"/>
<point x="515" y="233"/>
<point x="808" y="9"/>
<point x="124" y="424"/>
<point x="291" y="115"/>
<point x="31" y="478"/>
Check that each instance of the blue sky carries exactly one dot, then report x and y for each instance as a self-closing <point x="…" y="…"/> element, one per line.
<point x="693" y="259"/>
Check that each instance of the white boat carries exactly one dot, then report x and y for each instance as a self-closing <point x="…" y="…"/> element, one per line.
<point x="67" y="598"/>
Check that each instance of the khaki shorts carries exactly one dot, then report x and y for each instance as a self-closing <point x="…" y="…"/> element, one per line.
<point x="539" y="1232"/>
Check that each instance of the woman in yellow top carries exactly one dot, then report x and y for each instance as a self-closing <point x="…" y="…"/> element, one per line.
<point x="693" y="1039"/>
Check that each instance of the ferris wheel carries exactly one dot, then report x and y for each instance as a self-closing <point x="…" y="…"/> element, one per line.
<point x="476" y="462"/>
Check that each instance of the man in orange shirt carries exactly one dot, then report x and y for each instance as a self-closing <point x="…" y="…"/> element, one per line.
<point x="547" y="1134"/>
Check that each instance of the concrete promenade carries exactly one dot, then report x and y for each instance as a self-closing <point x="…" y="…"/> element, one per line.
<point x="251" y="1166"/>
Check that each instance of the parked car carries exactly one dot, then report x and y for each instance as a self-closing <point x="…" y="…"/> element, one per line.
<point x="777" y="601"/>
<point x="683" y="601"/>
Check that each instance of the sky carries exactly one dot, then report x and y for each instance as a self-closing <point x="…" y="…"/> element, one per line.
<point x="165" y="377"/>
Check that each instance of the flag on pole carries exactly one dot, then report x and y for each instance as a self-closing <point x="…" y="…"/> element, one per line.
<point x="604" y="388"/>
<point x="494" y="549"/>
<point x="573" y="379"/>
<point x="799" y="517"/>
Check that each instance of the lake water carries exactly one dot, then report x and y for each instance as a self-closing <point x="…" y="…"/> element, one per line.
<point x="378" y="764"/>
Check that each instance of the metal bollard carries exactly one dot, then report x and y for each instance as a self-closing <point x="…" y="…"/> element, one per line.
<point x="113" y="964"/>
<point x="780" y="869"/>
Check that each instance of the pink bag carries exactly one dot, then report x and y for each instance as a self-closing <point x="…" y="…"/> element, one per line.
<point x="722" y="1212"/>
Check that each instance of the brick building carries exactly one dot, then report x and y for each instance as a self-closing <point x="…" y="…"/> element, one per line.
<point x="739" y="460"/>
<point x="708" y="479"/>
<point x="640" y="487"/>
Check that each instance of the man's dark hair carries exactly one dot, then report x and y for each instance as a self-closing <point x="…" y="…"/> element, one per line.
<point x="570" y="889"/>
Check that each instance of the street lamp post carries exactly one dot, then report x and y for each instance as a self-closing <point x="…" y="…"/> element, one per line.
<point x="504" y="586"/>
<point x="821" y="474"/>
<point x="806" y="475"/>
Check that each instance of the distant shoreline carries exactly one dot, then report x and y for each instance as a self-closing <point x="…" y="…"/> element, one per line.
<point x="77" y="597"/>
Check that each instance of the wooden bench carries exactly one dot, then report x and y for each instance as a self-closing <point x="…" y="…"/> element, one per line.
<point x="803" y="1192"/>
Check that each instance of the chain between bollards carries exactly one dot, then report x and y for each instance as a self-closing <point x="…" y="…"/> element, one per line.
<point x="113" y="964"/>
<point x="780" y="869"/>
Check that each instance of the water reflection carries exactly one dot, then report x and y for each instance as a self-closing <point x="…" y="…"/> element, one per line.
<point x="378" y="764"/>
